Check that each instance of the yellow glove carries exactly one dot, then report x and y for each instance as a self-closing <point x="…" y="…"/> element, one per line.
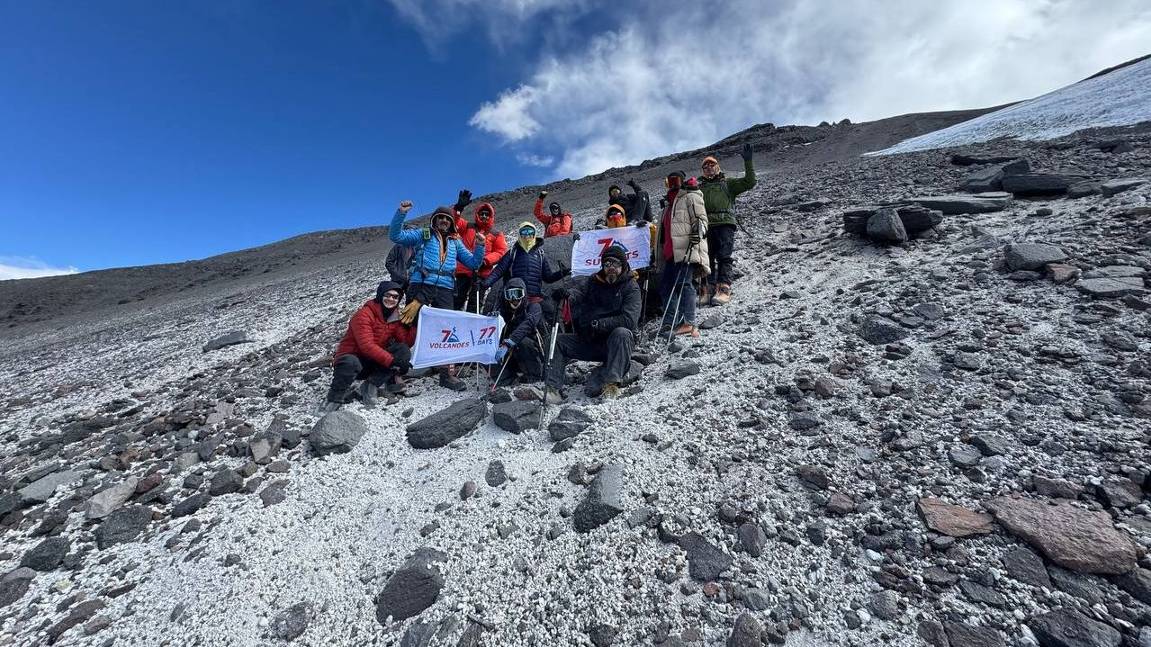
<point x="408" y="315"/>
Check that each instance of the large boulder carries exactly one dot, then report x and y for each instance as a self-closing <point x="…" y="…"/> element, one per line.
<point x="1111" y="288"/>
<point x="123" y="525"/>
<point x="412" y="588"/>
<point x="106" y="501"/>
<point x="918" y="219"/>
<point x="42" y="489"/>
<point x="442" y="427"/>
<point x="337" y="432"/>
<point x="881" y="330"/>
<point x="974" y="203"/>
<point x="1074" y="538"/>
<point x="1069" y="628"/>
<point x="1029" y="184"/>
<point x="516" y="416"/>
<point x="886" y="227"/>
<point x="1032" y="256"/>
<point x="990" y="178"/>
<point x="570" y="422"/>
<point x="604" y="499"/>
<point x="230" y="339"/>
<point x="1111" y="187"/>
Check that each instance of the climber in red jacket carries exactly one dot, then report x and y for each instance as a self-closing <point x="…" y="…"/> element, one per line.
<point x="376" y="349"/>
<point x="484" y="221"/>
<point x="556" y="223"/>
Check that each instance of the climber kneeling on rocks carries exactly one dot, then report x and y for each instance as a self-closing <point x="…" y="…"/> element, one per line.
<point x="605" y="313"/>
<point x="432" y="280"/>
<point x="522" y="345"/>
<point x="376" y="349"/>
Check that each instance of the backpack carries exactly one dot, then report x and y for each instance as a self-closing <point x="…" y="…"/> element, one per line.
<point x="418" y="251"/>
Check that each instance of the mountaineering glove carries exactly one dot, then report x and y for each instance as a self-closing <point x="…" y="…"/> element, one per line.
<point x="543" y="194"/>
<point x="559" y="294"/>
<point x="408" y="315"/>
<point x="501" y="353"/>
<point x="575" y="236"/>
<point x="641" y="223"/>
<point x="633" y="185"/>
<point x="462" y="201"/>
<point x="746" y="154"/>
<point x="401" y="366"/>
<point x="694" y="238"/>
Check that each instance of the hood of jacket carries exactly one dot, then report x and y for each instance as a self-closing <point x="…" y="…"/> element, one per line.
<point x="615" y="221"/>
<point x="538" y="240"/>
<point x="445" y="212"/>
<point x="485" y="228"/>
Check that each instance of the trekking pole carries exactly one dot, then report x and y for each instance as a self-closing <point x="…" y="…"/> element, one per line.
<point x="548" y="363"/>
<point x="677" y="290"/>
<point x="507" y="360"/>
<point x="489" y="371"/>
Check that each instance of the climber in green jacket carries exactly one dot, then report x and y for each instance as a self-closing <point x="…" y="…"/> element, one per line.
<point x="719" y="194"/>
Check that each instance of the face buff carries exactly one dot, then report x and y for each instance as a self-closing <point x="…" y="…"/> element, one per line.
<point x="527" y="238"/>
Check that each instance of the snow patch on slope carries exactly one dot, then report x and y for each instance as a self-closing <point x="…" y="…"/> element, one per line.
<point x="1120" y="98"/>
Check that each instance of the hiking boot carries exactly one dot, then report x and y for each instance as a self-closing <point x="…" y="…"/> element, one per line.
<point x="396" y="385"/>
<point x="703" y="295"/>
<point x="553" y="396"/>
<point x="328" y="407"/>
<point x="687" y="329"/>
<point x="449" y="381"/>
<point x="610" y="391"/>
<point x="722" y="294"/>
<point x="369" y="394"/>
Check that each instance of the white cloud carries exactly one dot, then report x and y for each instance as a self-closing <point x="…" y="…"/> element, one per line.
<point x="529" y="159"/>
<point x="682" y="78"/>
<point x="436" y="20"/>
<point x="22" y="267"/>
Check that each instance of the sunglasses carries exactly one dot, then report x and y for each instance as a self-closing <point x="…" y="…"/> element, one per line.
<point x="611" y="262"/>
<point x="391" y="296"/>
<point x="484" y="215"/>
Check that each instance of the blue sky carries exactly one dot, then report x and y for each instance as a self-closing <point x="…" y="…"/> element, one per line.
<point x="136" y="132"/>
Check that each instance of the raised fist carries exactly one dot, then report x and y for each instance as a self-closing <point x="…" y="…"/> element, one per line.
<point x="543" y="194"/>
<point x="405" y="206"/>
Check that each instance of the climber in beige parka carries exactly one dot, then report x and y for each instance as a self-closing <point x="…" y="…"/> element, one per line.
<point x="683" y="249"/>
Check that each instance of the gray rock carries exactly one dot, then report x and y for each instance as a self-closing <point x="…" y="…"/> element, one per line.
<point x="292" y="622"/>
<point x="813" y="476"/>
<point x="274" y="493"/>
<point x="1137" y="583"/>
<point x="1025" y="566"/>
<point x="757" y="599"/>
<point x="928" y="311"/>
<point x="990" y="178"/>
<point x="881" y="330"/>
<point x="1084" y="587"/>
<point x="570" y="422"/>
<point x="746" y="632"/>
<point x="1033" y="256"/>
<point x="1084" y="188"/>
<point x="413" y="587"/>
<point x="964" y="456"/>
<point x="681" y="369"/>
<point x="226" y="481"/>
<point x="1112" y="187"/>
<point x="47" y="555"/>
<point x="886" y="227"/>
<point x="516" y="416"/>
<point x="705" y="561"/>
<point x="190" y="505"/>
<point x="106" y="501"/>
<point x="752" y="538"/>
<point x="1110" y="288"/>
<point x="604" y="500"/>
<point x="338" y="432"/>
<point x="1069" y="628"/>
<point x="1029" y="184"/>
<point x="804" y="421"/>
<point x="495" y="475"/>
<point x="989" y="444"/>
<point x="231" y="339"/>
<point x="13" y="589"/>
<point x="43" y="488"/>
<point x="264" y="447"/>
<point x="1078" y="539"/>
<point x="976" y="592"/>
<point x="443" y="427"/>
<point x="961" y="634"/>
<point x="1114" y="272"/>
<point x="123" y="525"/>
<point x="1056" y="487"/>
<point x="955" y="204"/>
<point x="884" y="605"/>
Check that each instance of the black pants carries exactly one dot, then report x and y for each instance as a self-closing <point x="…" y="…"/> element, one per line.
<point x="614" y="352"/>
<point x="431" y="295"/>
<point x="463" y="291"/>
<point x="349" y="368"/>
<point x="720" y="247"/>
<point x="527" y="358"/>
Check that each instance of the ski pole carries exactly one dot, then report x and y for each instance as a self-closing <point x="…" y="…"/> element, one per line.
<point x="548" y="364"/>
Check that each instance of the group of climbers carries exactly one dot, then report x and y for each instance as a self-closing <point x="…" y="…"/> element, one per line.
<point x="452" y="263"/>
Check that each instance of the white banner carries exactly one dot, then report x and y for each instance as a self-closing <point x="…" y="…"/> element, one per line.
<point x="586" y="251"/>
<point x="454" y="337"/>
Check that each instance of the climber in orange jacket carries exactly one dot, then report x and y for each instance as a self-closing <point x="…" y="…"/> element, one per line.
<point x="484" y="221"/>
<point x="556" y="223"/>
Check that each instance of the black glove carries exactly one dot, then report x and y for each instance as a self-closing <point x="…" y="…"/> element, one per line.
<point x="663" y="203"/>
<point x="543" y="194"/>
<point x="402" y="366"/>
<point x="464" y="198"/>
<point x="746" y="152"/>
<point x="575" y="236"/>
<point x="694" y="239"/>
<point x="633" y="185"/>
<point x="641" y="224"/>
<point x="596" y="325"/>
<point x="559" y="294"/>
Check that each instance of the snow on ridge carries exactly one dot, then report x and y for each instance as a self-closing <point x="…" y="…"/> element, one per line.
<point x="1120" y="98"/>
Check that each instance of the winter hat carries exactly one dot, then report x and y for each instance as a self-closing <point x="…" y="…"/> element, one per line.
<point x="554" y="207"/>
<point x="385" y="287"/>
<point x="709" y="158"/>
<point x="615" y="216"/>
<point x="445" y="212"/>
<point x="616" y="252"/>
<point x="691" y="183"/>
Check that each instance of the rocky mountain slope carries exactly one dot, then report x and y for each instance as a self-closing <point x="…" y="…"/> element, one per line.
<point x="937" y="439"/>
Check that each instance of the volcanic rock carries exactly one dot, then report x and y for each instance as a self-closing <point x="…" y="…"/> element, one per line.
<point x="604" y="500"/>
<point x="413" y="587"/>
<point x="443" y="427"/>
<point x="338" y="432"/>
<point x="1077" y="539"/>
<point x="953" y="520"/>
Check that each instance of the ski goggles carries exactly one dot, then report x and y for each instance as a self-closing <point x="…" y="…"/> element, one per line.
<point x="514" y="294"/>
<point x="528" y="232"/>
